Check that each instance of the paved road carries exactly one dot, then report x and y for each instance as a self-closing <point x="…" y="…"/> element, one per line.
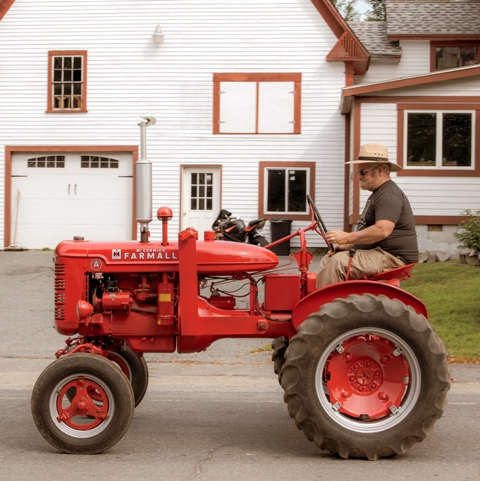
<point x="215" y="415"/>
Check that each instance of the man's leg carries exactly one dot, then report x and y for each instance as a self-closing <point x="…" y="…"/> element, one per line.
<point x="365" y="263"/>
<point x="368" y="262"/>
<point x="332" y="269"/>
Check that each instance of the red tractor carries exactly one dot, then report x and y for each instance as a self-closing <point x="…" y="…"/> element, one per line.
<point x="363" y="371"/>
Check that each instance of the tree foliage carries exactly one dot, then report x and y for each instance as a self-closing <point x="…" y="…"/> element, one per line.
<point x="347" y="9"/>
<point x="377" y="12"/>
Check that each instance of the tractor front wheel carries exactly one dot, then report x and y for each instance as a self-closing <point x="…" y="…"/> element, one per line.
<point x="135" y="368"/>
<point x="96" y="412"/>
<point x="366" y="376"/>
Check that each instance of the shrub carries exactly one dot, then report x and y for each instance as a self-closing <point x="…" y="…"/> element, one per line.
<point x="469" y="230"/>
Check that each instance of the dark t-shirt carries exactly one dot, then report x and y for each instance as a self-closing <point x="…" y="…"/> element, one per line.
<point x="388" y="202"/>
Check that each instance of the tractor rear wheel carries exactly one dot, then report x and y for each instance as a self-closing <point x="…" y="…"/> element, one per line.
<point x="96" y="417"/>
<point x="279" y="346"/>
<point x="366" y="376"/>
<point x="135" y="368"/>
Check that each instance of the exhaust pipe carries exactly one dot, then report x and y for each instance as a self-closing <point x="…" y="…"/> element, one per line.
<point x="143" y="181"/>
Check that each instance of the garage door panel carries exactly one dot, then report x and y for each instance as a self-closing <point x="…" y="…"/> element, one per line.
<point x="59" y="202"/>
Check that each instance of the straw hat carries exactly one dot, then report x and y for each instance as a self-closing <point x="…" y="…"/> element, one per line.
<point x="371" y="153"/>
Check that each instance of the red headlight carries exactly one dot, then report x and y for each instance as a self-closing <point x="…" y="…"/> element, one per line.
<point x="84" y="309"/>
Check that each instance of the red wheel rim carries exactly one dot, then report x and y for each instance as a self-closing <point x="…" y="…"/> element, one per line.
<point x="87" y="409"/>
<point x="367" y="377"/>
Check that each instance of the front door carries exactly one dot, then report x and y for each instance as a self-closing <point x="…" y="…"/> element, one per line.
<point x="200" y="197"/>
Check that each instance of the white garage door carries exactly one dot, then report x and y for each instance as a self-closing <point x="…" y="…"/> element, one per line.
<point x="61" y="195"/>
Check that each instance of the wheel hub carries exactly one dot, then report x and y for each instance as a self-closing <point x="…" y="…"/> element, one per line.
<point x="367" y="377"/>
<point x="88" y="406"/>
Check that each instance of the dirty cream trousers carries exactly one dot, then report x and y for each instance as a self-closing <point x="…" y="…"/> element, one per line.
<point x="365" y="263"/>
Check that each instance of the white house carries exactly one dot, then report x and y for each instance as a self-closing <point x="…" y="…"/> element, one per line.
<point x="257" y="103"/>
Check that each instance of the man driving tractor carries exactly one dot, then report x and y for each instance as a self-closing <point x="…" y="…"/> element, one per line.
<point x="385" y="237"/>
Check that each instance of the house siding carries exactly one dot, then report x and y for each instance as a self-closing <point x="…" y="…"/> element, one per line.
<point x="128" y="75"/>
<point x="415" y="60"/>
<point x="430" y="196"/>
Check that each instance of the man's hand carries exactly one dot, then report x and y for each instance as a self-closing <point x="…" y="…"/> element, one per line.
<point x="339" y="238"/>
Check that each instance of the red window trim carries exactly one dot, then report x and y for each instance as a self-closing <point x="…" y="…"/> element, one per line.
<point x="435" y="172"/>
<point x="66" y="53"/>
<point x="261" y="187"/>
<point x="448" y="43"/>
<point x="257" y="77"/>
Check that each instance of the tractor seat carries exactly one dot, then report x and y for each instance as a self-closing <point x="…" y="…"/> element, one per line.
<point x="393" y="276"/>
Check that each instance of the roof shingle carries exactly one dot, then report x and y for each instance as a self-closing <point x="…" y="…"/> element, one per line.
<point x="373" y="36"/>
<point x="433" y="17"/>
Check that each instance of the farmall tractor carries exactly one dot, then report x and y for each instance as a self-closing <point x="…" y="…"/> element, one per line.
<point x="363" y="371"/>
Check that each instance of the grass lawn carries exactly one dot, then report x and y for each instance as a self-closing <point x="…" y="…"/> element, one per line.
<point x="451" y="292"/>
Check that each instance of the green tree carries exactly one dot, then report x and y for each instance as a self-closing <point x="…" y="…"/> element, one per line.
<point x="377" y="12"/>
<point x="347" y="10"/>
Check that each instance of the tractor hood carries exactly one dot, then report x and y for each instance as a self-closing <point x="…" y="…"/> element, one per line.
<point x="213" y="257"/>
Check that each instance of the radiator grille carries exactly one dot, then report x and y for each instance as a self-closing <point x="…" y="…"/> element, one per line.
<point x="59" y="292"/>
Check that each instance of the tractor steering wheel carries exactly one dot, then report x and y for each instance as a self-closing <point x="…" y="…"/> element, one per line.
<point x="319" y="220"/>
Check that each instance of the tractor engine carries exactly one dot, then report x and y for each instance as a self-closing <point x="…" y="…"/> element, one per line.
<point x="133" y="293"/>
<point x="130" y="291"/>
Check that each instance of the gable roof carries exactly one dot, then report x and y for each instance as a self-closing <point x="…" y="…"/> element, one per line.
<point x="411" y="19"/>
<point x="348" y="48"/>
<point x="374" y="37"/>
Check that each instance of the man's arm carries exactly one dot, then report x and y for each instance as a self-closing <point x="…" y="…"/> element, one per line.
<point x="375" y="233"/>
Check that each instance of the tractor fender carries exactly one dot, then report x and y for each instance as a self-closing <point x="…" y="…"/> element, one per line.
<point x="314" y="301"/>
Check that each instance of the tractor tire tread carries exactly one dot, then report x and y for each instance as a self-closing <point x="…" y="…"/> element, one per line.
<point x="279" y="346"/>
<point x="306" y="346"/>
<point x="83" y="364"/>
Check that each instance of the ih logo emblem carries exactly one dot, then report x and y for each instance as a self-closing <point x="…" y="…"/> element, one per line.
<point x="116" y="254"/>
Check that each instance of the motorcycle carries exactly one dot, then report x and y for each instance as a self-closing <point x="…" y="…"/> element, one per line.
<point x="234" y="229"/>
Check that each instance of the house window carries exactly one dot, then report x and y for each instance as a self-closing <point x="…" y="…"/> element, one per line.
<point x="47" y="162"/>
<point x="454" y="55"/>
<point x="439" y="139"/>
<point x="95" y="162"/>
<point x="201" y="191"/>
<point x="283" y="189"/>
<point x="67" y="86"/>
<point x="256" y="103"/>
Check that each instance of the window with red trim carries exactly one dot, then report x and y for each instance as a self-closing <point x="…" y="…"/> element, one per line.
<point x="256" y="103"/>
<point x="67" y="81"/>
<point x="283" y="189"/>
<point x="445" y="55"/>
<point x="439" y="139"/>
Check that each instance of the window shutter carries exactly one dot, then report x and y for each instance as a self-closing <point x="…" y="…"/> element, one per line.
<point x="237" y="107"/>
<point x="276" y="107"/>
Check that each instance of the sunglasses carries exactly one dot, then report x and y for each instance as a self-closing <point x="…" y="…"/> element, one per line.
<point x="362" y="172"/>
